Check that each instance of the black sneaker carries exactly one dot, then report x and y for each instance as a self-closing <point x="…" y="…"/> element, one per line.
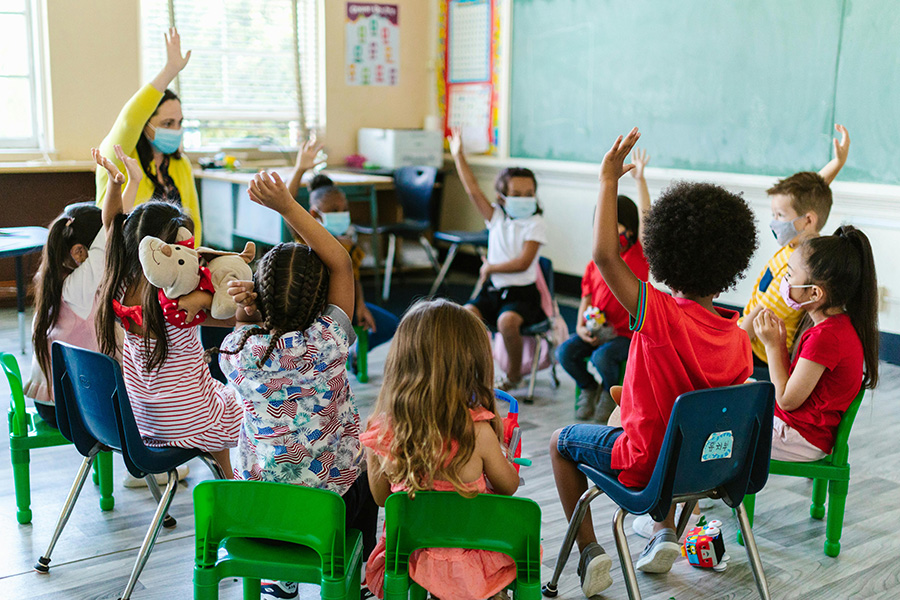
<point x="365" y="593"/>
<point x="593" y="569"/>
<point x="279" y="590"/>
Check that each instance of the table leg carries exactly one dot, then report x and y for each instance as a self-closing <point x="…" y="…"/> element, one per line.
<point x="376" y="238"/>
<point x="20" y="300"/>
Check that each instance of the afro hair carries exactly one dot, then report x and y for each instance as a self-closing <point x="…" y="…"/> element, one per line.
<point x="699" y="238"/>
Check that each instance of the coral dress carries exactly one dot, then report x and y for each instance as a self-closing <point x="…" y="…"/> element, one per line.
<point x="451" y="573"/>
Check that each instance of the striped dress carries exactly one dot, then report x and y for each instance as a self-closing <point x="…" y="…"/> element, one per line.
<point x="301" y="425"/>
<point x="180" y="404"/>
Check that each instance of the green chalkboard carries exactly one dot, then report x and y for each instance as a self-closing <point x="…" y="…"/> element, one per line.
<point x="740" y="86"/>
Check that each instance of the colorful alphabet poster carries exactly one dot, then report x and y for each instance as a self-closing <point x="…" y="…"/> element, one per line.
<point x="373" y="44"/>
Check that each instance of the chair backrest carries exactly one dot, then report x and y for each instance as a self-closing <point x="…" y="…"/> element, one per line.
<point x="448" y="520"/>
<point x="257" y="509"/>
<point x="840" y="453"/>
<point x="546" y="266"/>
<point x="18" y="420"/>
<point x="415" y="192"/>
<point x="84" y="389"/>
<point x="717" y="439"/>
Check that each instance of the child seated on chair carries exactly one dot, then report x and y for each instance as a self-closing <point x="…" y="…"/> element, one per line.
<point x="509" y="297"/>
<point x="833" y="279"/>
<point x="681" y="342"/>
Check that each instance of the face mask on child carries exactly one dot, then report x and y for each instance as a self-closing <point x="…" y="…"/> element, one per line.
<point x="165" y="140"/>
<point x="520" y="207"/>
<point x="337" y="223"/>
<point x="786" y="294"/>
<point x="784" y="231"/>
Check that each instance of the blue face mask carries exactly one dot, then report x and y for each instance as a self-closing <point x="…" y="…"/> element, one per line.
<point x="520" y="207"/>
<point x="337" y="223"/>
<point x="784" y="231"/>
<point x="165" y="140"/>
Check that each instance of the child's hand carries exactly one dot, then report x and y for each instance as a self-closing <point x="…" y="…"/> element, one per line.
<point x="770" y="329"/>
<point x="115" y="175"/>
<point x="842" y="147"/>
<point x="306" y="158"/>
<point x="612" y="167"/>
<point x="244" y="296"/>
<point x="456" y="145"/>
<point x="640" y="158"/>
<point x="175" y="62"/>
<point x="132" y="165"/>
<point x="271" y="192"/>
<point x="485" y="271"/>
<point x="585" y="335"/>
<point x="365" y="319"/>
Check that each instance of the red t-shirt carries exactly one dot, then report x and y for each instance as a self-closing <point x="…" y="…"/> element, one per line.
<point x="593" y="285"/>
<point x="678" y="346"/>
<point x="833" y="343"/>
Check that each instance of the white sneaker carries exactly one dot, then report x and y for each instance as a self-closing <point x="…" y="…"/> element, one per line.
<point x="643" y="524"/>
<point x="161" y="478"/>
<point x="660" y="553"/>
<point x="593" y="569"/>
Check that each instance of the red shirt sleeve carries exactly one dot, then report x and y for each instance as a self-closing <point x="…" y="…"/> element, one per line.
<point x="821" y="346"/>
<point x="655" y="309"/>
<point x="587" y="281"/>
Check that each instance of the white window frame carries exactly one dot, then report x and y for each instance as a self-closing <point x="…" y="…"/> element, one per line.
<point x="39" y="142"/>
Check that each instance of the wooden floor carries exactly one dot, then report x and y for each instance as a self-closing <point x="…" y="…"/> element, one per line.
<point x="96" y="551"/>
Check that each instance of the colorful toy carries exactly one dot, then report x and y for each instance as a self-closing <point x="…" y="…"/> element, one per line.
<point x="594" y="319"/>
<point x="704" y="547"/>
<point x="512" y="433"/>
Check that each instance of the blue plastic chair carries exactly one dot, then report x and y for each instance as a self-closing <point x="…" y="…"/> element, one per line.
<point x="94" y="413"/>
<point x="414" y="187"/>
<point x="682" y="475"/>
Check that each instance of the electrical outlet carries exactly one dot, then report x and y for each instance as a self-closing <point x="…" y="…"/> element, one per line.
<point x="882" y="298"/>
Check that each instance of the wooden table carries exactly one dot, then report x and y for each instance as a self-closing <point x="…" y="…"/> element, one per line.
<point x="17" y="242"/>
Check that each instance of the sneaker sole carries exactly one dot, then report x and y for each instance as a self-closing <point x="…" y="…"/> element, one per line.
<point x="661" y="559"/>
<point x="597" y="577"/>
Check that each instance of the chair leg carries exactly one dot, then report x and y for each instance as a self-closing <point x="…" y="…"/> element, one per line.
<point x="429" y="250"/>
<point x="837" y="499"/>
<point x="252" y="588"/>
<point x="686" y="511"/>
<point x="206" y="586"/>
<point x="536" y="359"/>
<point x="819" y="492"/>
<point x="362" y="357"/>
<point x="43" y="563"/>
<point x="168" y="521"/>
<point x="147" y="545"/>
<point x="103" y="469"/>
<point x="213" y="465"/>
<point x="631" y="585"/>
<point x="753" y="552"/>
<point x="451" y="254"/>
<point x="22" y="482"/>
<point x="550" y="590"/>
<point x="749" y="506"/>
<point x="389" y="267"/>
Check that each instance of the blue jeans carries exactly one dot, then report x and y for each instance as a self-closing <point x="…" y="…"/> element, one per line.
<point x="589" y="444"/>
<point x="573" y="353"/>
<point x="385" y="325"/>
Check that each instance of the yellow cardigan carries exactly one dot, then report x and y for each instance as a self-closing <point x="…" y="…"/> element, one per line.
<point x="126" y="132"/>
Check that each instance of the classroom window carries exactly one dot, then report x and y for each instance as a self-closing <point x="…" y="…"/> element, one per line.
<point x="240" y="86"/>
<point x="21" y="101"/>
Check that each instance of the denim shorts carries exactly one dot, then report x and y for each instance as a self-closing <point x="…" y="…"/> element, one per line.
<point x="589" y="444"/>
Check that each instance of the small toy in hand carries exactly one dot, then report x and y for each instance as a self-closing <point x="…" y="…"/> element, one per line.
<point x="594" y="319"/>
<point x="704" y="547"/>
<point x="178" y="269"/>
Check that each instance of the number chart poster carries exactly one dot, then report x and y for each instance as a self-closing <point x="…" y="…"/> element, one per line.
<point x="373" y="44"/>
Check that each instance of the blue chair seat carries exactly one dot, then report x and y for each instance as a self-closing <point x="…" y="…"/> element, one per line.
<point x="473" y="238"/>
<point x="407" y="228"/>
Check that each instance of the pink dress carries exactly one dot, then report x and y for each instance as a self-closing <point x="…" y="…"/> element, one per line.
<point x="451" y="573"/>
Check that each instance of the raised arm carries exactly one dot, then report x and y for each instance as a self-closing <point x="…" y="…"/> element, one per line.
<point x="273" y="193"/>
<point x="640" y="158"/>
<point x="624" y="285"/>
<point x="841" y="150"/>
<point x="175" y="62"/>
<point x="112" y="201"/>
<point x="306" y="160"/>
<point x="473" y="190"/>
<point x="135" y="175"/>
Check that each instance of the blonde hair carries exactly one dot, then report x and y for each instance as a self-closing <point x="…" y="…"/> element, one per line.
<point x="439" y="366"/>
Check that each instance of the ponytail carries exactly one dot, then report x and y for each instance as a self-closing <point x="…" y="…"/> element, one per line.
<point x="844" y="266"/>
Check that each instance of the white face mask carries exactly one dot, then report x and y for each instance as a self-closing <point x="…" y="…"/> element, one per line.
<point x="519" y="207"/>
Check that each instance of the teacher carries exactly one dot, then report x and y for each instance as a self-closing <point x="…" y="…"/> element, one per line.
<point x="149" y="129"/>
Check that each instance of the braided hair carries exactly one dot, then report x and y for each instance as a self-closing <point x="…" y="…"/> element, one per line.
<point x="292" y="286"/>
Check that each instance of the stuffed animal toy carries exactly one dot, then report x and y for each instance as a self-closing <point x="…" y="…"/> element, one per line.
<point x="178" y="269"/>
<point x="704" y="547"/>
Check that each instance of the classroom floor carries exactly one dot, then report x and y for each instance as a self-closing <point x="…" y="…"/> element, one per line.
<point x="96" y="552"/>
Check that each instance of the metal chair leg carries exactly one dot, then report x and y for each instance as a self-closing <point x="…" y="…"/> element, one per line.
<point x="43" y="563"/>
<point x="168" y="521"/>
<point x="451" y="254"/>
<point x="214" y="466"/>
<point x="753" y="552"/>
<point x="389" y="267"/>
<point x="147" y="545"/>
<point x="686" y="511"/>
<point x="634" y="593"/>
<point x="581" y="507"/>
<point x="534" y="368"/>
<point x="429" y="250"/>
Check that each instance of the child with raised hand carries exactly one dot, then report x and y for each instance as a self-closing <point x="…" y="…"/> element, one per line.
<point x="72" y="266"/>
<point x="509" y="297"/>
<point x="287" y="362"/>
<point x="833" y="279"/>
<point x="800" y="207"/>
<point x="434" y="427"/>
<point x="681" y="343"/>
<point x="606" y="346"/>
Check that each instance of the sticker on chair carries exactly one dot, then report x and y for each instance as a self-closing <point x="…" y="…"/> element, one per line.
<point x="718" y="446"/>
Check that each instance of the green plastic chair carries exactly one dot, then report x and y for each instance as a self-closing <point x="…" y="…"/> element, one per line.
<point x="362" y="354"/>
<point x="448" y="520"/>
<point x="261" y="530"/>
<point x="27" y="432"/>
<point x="831" y="477"/>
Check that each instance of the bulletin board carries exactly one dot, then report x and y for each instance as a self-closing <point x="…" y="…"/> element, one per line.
<point x="468" y="82"/>
<point x="372" y="39"/>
